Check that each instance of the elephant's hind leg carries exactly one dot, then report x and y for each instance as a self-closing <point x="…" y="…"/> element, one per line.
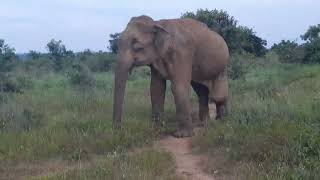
<point x="219" y="94"/>
<point x="202" y="92"/>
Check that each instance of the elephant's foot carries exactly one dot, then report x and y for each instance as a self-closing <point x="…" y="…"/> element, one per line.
<point x="157" y="122"/>
<point x="222" y="111"/>
<point x="184" y="132"/>
<point x="116" y="126"/>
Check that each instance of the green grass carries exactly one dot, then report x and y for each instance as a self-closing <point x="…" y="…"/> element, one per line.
<point x="274" y="127"/>
<point x="144" y="165"/>
<point x="273" y="131"/>
<point x="54" y="118"/>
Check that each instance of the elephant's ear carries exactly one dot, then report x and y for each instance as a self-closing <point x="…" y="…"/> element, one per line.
<point x="163" y="41"/>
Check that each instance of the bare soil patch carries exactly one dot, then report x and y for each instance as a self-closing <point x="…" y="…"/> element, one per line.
<point x="189" y="166"/>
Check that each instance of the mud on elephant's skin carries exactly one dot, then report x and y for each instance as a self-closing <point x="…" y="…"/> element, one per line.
<point x="183" y="51"/>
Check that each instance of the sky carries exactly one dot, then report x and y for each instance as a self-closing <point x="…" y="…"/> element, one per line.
<point x="81" y="24"/>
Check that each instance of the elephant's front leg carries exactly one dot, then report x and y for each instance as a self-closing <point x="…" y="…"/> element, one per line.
<point x="157" y="91"/>
<point x="181" y="91"/>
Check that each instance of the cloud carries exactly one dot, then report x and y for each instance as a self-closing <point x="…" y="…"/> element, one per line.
<point x="84" y="24"/>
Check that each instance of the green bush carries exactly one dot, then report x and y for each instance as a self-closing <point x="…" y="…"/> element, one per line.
<point x="289" y="52"/>
<point x="239" y="65"/>
<point x="37" y="67"/>
<point x="312" y="50"/>
<point x="140" y="73"/>
<point x="98" y="62"/>
<point x="15" y="118"/>
<point x="80" y="75"/>
<point x="308" y="52"/>
<point x="14" y="83"/>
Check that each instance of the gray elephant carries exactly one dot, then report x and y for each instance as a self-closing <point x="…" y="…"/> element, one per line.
<point x="184" y="51"/>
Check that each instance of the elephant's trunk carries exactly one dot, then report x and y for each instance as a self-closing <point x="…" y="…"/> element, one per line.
<point x="121" y="76"/>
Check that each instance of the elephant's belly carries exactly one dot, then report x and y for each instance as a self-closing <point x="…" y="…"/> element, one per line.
<point x="217" y="86"/>
<point x="207" y="83"/>
<point x="207" y="69"/>
<point x="204" y="74"/>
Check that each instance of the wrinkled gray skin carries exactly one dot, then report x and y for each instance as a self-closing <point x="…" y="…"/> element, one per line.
<point x="183" y="51"/>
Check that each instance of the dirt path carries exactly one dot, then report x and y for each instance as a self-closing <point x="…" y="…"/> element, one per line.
<point x="188" y="165"/>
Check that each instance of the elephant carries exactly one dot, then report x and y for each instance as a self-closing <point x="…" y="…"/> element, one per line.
<point x="185" y="52"/>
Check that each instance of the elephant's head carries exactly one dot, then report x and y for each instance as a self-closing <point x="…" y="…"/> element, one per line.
<point x="143" y="42"/>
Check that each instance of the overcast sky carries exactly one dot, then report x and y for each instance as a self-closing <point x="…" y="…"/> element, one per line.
<point x="80" y="24"/>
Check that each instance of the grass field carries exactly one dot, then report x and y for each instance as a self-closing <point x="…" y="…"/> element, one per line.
<point x="273" y="131"/>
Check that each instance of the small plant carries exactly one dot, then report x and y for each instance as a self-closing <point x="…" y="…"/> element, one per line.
<point x="16" y="120"/>
<point x="13" y="83"/>
<point x="239" y="65"/>
<point x="80" y="75"/>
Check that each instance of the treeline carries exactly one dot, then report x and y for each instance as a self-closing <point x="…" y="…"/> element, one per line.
<point x="240" y="39"/>
<point x="59" y="58"/>
<point x="15" y="68"/>
<point x="307" y="52"/>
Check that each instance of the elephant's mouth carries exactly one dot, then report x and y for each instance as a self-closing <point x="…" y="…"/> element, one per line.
<point x="140" y="63"/>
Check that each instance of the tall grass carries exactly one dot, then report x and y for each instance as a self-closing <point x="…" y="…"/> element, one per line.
<point x="273" y="131"/>
<point x="55" y="118"/>
<point x="274" y="126"/>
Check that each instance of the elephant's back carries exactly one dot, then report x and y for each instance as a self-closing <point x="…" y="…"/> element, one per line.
<point x="210" y="51"/>
<point x="197" y="33"/>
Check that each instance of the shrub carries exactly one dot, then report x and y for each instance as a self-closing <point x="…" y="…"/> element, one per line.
<point x="16" y="118"/>
<point x="98" y="62"/>
<point x="42" y="65"/>
<point x="289" y="51"/>
<point x="139" y="73"/>
<point x="239" y="65"/>
<point x="312" y="51"/>
<point x="80" y="75"/>
<point x="13" y="83"/>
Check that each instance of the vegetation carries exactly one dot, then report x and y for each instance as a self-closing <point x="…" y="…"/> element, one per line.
<point x="58" y="105"/>
<point x="145" y="165"/>
<point x="308" y="52"/>
<point x="289" y="51"/>
<point x="273" y="131"/>
<point x="114" y="42"/>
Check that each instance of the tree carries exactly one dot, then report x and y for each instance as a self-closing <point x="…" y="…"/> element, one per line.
<point x="6" y="52"/>
<point x="7" y="56"/>
<point x="238" y="38"/>
<point x="34" y="54"/>
<point x="312" y="46"/>
<point x="289" y="51"/>
<point x="97" y="61"/>
<point x="312" y="34"/>
<point x="113" y="42"/>
<point x="7" y="63"/>
<point x="57" y="51"/>
<point x="219" y="21"/>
